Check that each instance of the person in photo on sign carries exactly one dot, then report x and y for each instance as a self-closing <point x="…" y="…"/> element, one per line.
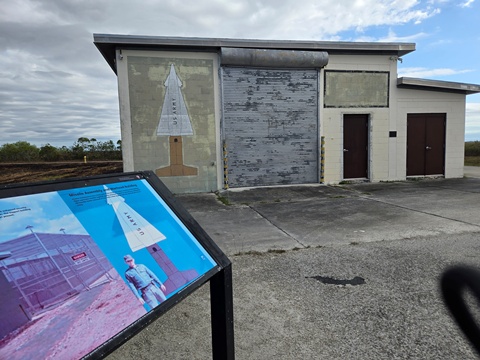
<point x="144" y="283"/>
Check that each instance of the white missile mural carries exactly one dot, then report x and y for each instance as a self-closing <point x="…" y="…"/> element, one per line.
<point x="174" y="119"/>
<point x="138" y="231"/>
<point x="175" y="122"/>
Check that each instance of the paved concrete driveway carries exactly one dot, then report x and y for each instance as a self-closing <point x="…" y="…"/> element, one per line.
<point x="296" y="253"/>
<point x="286" y="218"/>
<point x="472" y="171"/>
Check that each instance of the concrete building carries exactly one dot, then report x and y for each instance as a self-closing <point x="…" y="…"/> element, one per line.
<point x="210" y="114"/>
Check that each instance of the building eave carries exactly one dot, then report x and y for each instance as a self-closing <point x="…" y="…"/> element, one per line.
<point x="5" y="255"/>
<point x="437" y="85"/>
<point x="107" y="44"/>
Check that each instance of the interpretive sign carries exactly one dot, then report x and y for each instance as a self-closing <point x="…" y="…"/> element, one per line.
<point x="97" y="259"/>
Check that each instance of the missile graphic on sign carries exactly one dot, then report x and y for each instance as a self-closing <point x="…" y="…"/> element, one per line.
<point x="174" y="119"/>
<point x="138" y="231"/>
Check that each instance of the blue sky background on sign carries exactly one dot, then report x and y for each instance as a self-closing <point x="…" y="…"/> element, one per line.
<point x="56" y="87"/>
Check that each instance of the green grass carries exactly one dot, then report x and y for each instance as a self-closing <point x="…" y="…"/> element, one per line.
<point x="472" y="160"/>
<point x="222" y="199"/>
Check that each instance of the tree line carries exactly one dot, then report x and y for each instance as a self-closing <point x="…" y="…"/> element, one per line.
<point x="23" y="151"/>
<point x="472" y="148"/>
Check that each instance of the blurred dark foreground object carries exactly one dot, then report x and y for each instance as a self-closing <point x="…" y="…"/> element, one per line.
<point x="454" y="283"/>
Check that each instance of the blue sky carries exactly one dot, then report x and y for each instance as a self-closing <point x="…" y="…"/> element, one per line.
<point x="55" y="86"/>
<point x="46" y="212"/>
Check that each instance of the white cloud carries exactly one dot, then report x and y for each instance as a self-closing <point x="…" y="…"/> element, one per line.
<point x="392" y="37"/>
<point x="467" y="4"/>
<point x="68" y="222"/>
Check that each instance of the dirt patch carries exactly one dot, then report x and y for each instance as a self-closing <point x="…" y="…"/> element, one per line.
<point x="12" y="173"/>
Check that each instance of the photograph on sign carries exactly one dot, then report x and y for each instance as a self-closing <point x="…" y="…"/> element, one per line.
<point x="86" y="263"/>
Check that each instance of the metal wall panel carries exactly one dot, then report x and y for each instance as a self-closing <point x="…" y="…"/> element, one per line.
<point x="270" y="126"/>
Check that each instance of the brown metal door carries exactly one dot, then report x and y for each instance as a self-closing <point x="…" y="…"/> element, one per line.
<point x="415" y="144"/>
<point x="355" y="146"/>
<point x="435" y="144"/>
<point x="425" y="144"/>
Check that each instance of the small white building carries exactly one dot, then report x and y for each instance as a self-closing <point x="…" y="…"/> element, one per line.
<point x="209" y="114"/>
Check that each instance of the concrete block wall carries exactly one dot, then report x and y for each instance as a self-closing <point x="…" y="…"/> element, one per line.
<point x="331" y="120"/>
<point x="418" y="101"/>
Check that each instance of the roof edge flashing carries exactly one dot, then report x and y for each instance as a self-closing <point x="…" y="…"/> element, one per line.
<point x="108" y="44"/>
<point x="438" y="85"/>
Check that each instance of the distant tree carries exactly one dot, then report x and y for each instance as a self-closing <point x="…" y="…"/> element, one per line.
<point x="65" y="153"/>
<point x="49" y="153"/>
<point x="92" y="148"/>
<point x="92" y="145"/>
<point x="472" y="148"/>
<point x="19" y="151"/>
<point x="80" y="147"/>
<point x="83" y="140"/>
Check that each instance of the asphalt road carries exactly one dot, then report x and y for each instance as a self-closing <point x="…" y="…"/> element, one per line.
<point x="330" y="272"/>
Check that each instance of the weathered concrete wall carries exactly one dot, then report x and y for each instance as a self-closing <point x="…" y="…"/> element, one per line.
<point x="180" y="91"/>
<point x="347" y="89"/>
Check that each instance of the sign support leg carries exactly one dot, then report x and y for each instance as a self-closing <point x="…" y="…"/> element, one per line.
<point x="221" y="302"/>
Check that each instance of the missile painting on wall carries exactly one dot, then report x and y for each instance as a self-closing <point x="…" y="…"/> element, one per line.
<point x="175" y="123"/>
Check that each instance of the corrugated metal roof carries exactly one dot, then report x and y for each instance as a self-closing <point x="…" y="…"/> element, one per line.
<point x="437" y="85"/>
<point x="107" y="44"/>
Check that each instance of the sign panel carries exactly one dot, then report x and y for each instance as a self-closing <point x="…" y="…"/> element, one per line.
<point x="135" y="254"/>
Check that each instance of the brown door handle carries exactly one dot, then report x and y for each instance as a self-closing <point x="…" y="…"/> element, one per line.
<point x="428" y="148"/>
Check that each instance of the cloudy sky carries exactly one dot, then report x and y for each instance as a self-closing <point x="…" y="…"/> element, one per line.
<point x="56" y="87"/>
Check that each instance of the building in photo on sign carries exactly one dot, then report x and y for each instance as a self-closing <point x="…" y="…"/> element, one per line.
<point x="41" y="270"/>
<point x="210" y="114"/>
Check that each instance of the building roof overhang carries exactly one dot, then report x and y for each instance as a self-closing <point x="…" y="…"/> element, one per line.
<point x="108" y="44"/>
<point x="437" y="85"/>
<point x="5" y="255"/>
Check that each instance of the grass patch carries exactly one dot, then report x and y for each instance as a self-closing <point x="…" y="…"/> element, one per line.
<point x="224" y="200"/>
<point x="472" y="161"/>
